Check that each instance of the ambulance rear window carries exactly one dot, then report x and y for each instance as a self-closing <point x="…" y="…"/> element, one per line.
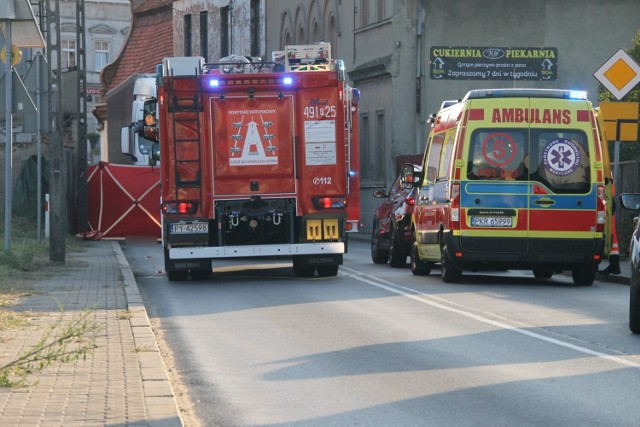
<point x="560" y="160"/>
<point x="557" y="158"/>
<point x="498" y="154"/>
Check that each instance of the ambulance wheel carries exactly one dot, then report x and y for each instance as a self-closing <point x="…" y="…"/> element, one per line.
<point x="542" y="272"/>
<point x="634" y="308"/>
<point x="451" y="273"/>
<point x="583" y="276"/>
<point x="378" y="255"/>
<point x="397" y="255"/>
<point x="177" y="276"/>
<point x="418" y="267"/>
<point x="327" y="270"/>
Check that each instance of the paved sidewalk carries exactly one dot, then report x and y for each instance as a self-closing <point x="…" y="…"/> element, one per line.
<point x="124" y="382"/>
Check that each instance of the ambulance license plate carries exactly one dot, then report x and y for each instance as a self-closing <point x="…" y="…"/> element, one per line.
<point x="491" y="221"/>
<point x="196" y="227"/>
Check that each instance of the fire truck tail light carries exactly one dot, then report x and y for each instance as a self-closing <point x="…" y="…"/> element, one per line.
<point x="181" y="208"/>
<point x="329" y="202"/>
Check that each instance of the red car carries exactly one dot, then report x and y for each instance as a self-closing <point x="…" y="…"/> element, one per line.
<point x="391" y="236"/>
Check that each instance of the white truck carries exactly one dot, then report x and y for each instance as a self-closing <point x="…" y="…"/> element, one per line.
<point x="137" y="138"/>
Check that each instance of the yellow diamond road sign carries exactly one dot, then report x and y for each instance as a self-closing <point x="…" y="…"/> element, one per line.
<point x="619" y="74"/>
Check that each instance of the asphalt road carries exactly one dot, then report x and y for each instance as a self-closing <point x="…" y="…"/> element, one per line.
<point x="376" y="346"/>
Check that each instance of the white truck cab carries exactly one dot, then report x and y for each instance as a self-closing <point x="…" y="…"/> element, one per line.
<point x="137" y="139"/>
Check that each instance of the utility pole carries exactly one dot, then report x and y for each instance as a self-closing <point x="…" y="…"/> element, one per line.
<point x="81" y="199"/>
<point x="8" y="75"/>
<point x="57" y="182"/>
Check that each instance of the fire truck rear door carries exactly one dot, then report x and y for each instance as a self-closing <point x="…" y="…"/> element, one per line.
<point x="252" y="143"/>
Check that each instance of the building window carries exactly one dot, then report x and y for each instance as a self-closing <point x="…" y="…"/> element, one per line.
<point x="224" y="31"/>
<point x="204" y="34"/>
<point x="380" y="12"/>
<point x="255" y="27"/>
<point x="187" y="35"/>
<point x="364" y="13"/>
<point x="101" y="49"/>
<point x="69" y="52"/>
<point x="332" y="36"/>
<point x="365" y="161"/>
<point x="315" y="32"/>
<point x="378" y="159"/>
<point x="300" y="35"/>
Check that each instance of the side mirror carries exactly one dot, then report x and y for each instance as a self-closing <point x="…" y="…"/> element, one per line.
<point x="410" y="175"/>
<point x="126" y="141"/>
<point x="155" y="152"/>
<point x="630" y="201"/>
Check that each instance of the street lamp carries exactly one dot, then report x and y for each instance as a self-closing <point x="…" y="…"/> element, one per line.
<point x="19" y="28"/>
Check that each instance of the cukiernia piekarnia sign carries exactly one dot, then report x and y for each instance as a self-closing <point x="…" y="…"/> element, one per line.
<point x="493" y="63"/>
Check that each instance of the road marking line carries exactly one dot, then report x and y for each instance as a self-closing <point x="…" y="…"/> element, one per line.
<point x="430" y="300"/>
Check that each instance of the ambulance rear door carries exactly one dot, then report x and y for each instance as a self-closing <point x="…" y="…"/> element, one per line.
<point x="495" y="190"/>
<point x="563" y="186"/>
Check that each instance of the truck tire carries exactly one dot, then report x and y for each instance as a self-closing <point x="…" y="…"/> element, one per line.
<point x="177" y="276"/>
<point x="303" y="270"/>
<point x="203" y="274"/>
<point x="327" y="270"/>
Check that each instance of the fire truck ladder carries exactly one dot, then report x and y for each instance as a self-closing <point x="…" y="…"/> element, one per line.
<point x="185" y="107"/>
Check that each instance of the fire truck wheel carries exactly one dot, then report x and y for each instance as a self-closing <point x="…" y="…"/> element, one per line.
<point x="327" y="270"/>
<point x="177" y="276"/>
<point x="201" y="274"/>
<point x="304" y="270"/>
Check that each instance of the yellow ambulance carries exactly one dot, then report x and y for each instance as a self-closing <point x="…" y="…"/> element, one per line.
<point x="511" y="179"/>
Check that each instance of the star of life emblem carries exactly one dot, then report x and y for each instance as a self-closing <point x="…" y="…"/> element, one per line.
<point x="561" y="157"/>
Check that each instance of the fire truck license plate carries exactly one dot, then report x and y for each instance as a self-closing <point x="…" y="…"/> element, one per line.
<point x="491" y="221"/>
<point x="199" y="227"/>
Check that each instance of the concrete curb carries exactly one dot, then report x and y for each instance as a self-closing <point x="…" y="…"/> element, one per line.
<point x="162" y="408"/>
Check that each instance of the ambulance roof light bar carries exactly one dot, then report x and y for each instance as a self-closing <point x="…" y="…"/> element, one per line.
<point x="529" y="93"/>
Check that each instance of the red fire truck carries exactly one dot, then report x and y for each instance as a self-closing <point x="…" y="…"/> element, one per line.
<point x="258" y="159"/>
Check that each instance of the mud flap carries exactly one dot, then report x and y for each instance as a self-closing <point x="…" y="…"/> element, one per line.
<point x="324" y="259"/>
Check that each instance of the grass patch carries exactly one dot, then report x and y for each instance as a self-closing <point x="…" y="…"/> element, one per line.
<point x="25" y="264"/>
